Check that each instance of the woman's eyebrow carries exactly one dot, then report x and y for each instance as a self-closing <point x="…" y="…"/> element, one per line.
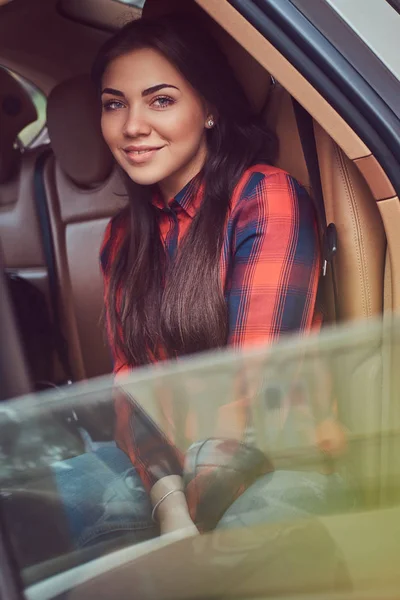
<point x="151" y="90"/>
<point x="157" y="88"/>
<point x="113" y="92"/>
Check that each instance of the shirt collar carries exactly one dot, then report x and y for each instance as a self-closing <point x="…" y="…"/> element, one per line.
<point x="189" y="198"/>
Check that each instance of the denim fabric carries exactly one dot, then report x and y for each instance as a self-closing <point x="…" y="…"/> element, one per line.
<point x="286" y="496"/>
<point x="103" y="497"/>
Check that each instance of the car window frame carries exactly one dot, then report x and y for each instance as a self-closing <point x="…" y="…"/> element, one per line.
<point x="353" y="48"/>
<point x="336" y="79"/>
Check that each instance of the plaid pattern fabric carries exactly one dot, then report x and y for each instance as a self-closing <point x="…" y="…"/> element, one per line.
<point x="270" y="268"/>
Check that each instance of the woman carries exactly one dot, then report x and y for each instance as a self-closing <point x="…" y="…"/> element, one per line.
<point x="216" y="248"/>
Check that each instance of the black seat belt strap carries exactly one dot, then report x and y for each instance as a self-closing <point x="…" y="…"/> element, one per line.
<point x="328" y="233"/>
<point x="48" y="247"/>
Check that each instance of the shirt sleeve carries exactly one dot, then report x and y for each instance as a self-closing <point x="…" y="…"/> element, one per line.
<point x="276" y="264"/>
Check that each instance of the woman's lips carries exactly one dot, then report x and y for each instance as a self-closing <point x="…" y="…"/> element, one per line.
<point x="139" y="157"/>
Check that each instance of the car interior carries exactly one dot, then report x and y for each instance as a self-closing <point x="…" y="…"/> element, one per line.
<point x="83" y="190"/>
<point x="58" y="192"/>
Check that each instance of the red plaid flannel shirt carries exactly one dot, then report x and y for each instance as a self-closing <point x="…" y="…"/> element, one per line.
<point x="270" y="268"/>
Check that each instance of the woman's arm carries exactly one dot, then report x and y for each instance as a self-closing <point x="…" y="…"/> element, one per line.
<point x="276" y="264"/>
<point x="276" y="270"/>
<point x="157" y="461"/>
<point x="172" y="513"/>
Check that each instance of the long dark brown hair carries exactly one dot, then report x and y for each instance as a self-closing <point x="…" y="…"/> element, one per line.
<point x="180" y="307"/>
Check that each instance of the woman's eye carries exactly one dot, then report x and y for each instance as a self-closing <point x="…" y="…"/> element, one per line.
<point x="162" y="102"/>
<point x="112" y="105"/>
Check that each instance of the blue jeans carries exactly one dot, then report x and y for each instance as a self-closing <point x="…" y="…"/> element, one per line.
<point x="104" y="497"/>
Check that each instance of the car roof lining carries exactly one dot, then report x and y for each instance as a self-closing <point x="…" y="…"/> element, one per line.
<point x="107" y="15"/>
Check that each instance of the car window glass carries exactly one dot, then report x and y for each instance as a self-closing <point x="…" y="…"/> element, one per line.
<point x="34" y="134"/>
<point x="285" y="394"/>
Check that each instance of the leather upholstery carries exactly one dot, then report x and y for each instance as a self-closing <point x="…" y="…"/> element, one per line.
<point x="73" y="117"/>
<point x="280" y="118"/>
<point x="360" y="259"/>
<point x="84" y="192"/>
<point x="16" y="112"/>
<point x="19" y="226"/>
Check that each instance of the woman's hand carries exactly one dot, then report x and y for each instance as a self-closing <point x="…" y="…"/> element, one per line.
<point x="331" y="437"/>
<point x="172" y="514"/>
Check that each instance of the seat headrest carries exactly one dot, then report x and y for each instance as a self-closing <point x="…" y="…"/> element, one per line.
<point x="16" y="112"/>
<point x="73" y="121"/>
<point x="254" y="79"/>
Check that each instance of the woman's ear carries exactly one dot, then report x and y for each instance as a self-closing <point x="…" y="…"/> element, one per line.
<point x="211" y="117"/>
<point x="210" y="122"/>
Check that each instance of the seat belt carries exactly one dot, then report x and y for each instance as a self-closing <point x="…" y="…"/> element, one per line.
<point x="328" y="233"/>
<point x="48" y="247"/>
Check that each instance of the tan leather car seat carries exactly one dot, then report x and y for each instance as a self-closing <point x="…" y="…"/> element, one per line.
<point x="19" y="228"/>
<point x="360" y="259"/>
<point x="84" y="192"/>
<point x="280" y="117"/>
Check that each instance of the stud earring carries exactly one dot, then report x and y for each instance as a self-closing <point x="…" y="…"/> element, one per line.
<point x="210" y="123"/>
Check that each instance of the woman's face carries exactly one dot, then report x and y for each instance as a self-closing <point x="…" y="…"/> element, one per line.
<point x="153" y="121"/>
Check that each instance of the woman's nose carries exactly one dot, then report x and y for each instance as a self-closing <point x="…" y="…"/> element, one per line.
<point x="136" y="124"/>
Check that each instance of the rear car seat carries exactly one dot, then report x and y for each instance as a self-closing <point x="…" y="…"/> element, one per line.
<point x="84" y="191"/>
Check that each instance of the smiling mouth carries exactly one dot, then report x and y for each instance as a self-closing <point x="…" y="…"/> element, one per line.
<point x="139" y="156"/>
<point x="138" y="152"/>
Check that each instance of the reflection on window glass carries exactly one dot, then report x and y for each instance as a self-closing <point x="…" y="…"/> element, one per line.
<point x="287" y="509"/>
<point x="34" y="134"/>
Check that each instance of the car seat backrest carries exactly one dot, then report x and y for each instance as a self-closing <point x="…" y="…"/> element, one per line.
<point x="73" y="118"/>
<point x="84" y="192"/>
<point x="360" y="259"/>
<point x="280" y="117"/>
